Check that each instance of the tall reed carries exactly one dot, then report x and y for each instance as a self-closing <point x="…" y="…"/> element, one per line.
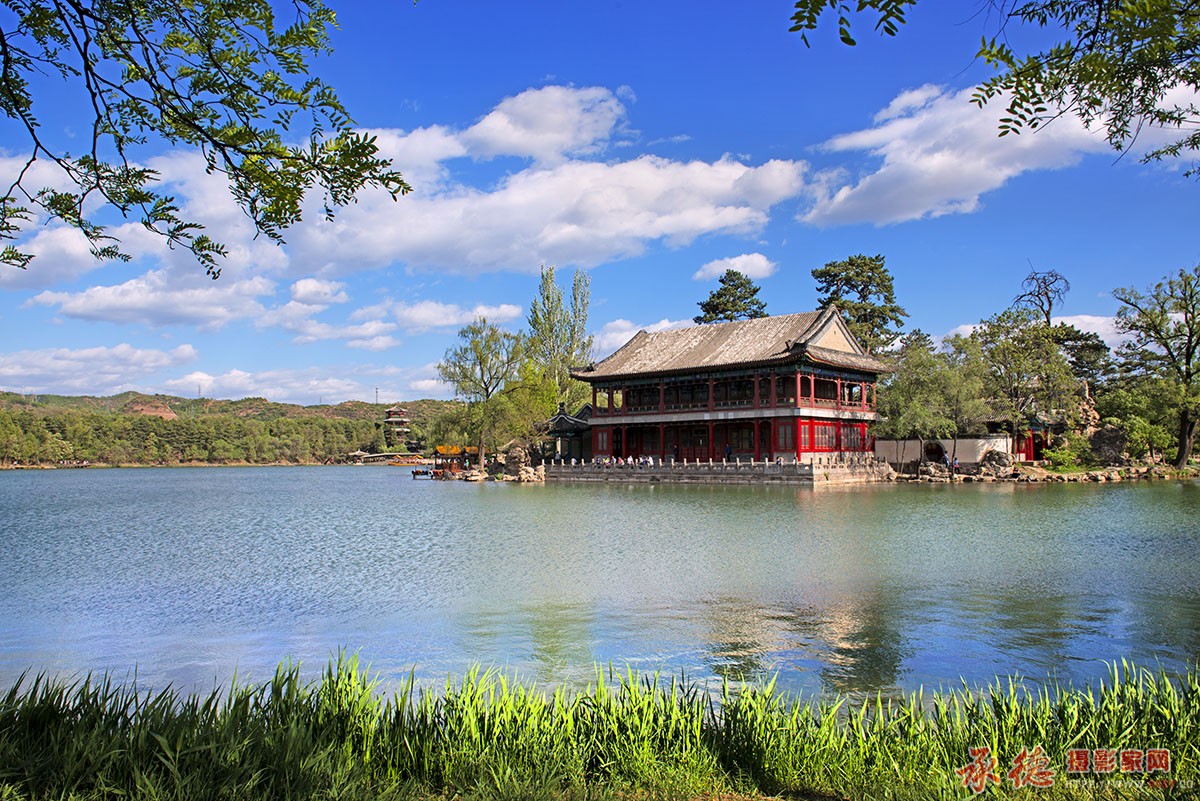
<point x="625" y="736"/>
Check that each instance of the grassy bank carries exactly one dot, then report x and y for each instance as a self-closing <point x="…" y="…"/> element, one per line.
<point x="623" y="737"/>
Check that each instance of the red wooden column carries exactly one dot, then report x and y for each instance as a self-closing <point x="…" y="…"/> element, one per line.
<point x="839" y="399"/>
<point x="711" y="431"/>
<point x="662" y="442"/>
<point x="774" y="378"/>
<point x="662" y="396"/>
<point x="757" y="378"/>
<point x="798" y="395"/>
<point x="799" y="423"/>
<point x="593" y="398"/>
<point x="711" y="394"/>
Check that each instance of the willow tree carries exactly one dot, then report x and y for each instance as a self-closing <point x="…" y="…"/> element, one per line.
<point x="558" y="339"/>
<point x="220" y="77"/>
<point x="481" y="368"/>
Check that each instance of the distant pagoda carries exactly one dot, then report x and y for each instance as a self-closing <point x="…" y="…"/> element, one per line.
<point x="396" y="421"/>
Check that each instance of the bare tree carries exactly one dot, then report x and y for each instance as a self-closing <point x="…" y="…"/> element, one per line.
<point x="1043" y="290"/>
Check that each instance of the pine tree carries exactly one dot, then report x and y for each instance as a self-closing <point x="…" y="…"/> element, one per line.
<point x="861" y="289"/>
<point x="736" y="299"/>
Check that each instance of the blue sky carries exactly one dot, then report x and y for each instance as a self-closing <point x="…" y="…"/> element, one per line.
<point x="652" y="145"/>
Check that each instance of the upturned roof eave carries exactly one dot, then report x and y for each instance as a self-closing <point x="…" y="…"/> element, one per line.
<point x="874" y="365"/>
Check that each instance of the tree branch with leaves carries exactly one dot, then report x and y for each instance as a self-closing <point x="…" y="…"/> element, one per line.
<point x="221" y="76"/>
<point x="1122" y="66"/>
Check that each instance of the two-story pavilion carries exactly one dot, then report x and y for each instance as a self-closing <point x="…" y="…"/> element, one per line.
<point x="796" y="385"/>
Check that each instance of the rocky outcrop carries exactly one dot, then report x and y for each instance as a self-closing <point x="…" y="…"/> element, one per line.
<point x="514" y="460"/>
<point x="1108" y="444"/>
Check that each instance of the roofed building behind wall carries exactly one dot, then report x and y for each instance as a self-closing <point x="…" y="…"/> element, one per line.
<point x="790" y="386"/>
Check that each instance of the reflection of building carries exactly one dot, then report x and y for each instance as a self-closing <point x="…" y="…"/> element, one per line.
<point x="796" y="385"/>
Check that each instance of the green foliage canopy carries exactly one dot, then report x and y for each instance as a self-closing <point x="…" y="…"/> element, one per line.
<point x="735" y="299"/>
<point x="72" y="435"/>
<point x="861" y="288"/>
<point x="1027" y="372"/>
<point x="911" y="403"/>
<point x="558" y="339"/>
<point x="484" y="364"/>
<point x="1164" y="328"/>
<point x="220" y="76"/>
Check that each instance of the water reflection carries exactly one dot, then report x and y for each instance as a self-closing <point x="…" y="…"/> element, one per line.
<point x="191" y="575"/>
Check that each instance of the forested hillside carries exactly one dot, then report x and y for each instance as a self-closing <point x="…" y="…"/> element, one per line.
<point x="132" y="428"/>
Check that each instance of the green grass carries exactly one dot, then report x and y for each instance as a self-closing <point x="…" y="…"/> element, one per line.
<point x="626" y="737"/>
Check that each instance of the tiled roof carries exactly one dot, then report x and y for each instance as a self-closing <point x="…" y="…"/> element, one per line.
<point x="763" y="340"/>
<point x="840" y="358"/>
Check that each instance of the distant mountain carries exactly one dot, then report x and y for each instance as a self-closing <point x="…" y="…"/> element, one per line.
<point x="170" y="407"/>
<point x="135" y="428"/>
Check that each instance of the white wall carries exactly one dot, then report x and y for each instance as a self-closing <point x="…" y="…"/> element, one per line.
<point x="970" y="449"/>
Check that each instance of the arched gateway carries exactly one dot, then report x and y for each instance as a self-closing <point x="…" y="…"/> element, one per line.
<point x="795" y="385"/>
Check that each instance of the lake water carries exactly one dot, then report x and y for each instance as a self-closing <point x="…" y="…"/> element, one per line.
<point x="188" y="575"/>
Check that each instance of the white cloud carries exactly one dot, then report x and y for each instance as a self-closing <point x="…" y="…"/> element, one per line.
<point x="1102" y="326"/>
<point x="60" y="254"/>
<point x="205" y="198"/>
<point x="305" y="386"/>
<point x="427" y="314"/>
<point x="565" y="208"/>
<point x="432" y="386"/>
<point x="420" y="153"/>
<point x="313" y="385"/>
<point x="99" y="370"/>
<point x="160" y="299"/>
<point x="752" y="265"/>
<point x="373" y="331"/>
<point x="616" y="333"/>
<point x="374" y="344"/>
<point x="315" y="292"/>
<point x="939" y="154"/>
<point x="964" y="330"/>
<point x="547" y="124"/>
<point x="575" y="213"/>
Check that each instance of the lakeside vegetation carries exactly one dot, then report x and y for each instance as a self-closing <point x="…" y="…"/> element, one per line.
<point x="625" y="736"/>
<point x="136" y="429"/>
